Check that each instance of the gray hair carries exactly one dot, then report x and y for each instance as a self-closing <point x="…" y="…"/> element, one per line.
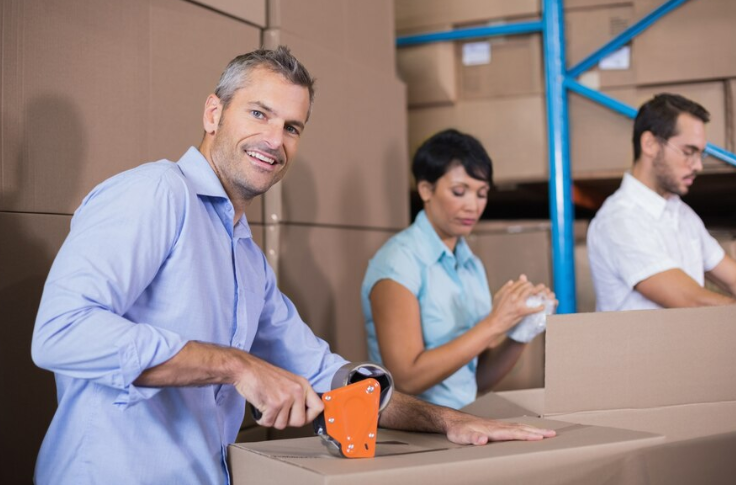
<point x="279" y="61"/>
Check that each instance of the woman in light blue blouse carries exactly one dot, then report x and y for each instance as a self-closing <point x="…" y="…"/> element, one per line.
<point x="428" y="310"/>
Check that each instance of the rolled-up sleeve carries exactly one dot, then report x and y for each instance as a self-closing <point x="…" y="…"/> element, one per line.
<point x="120" y="237"/>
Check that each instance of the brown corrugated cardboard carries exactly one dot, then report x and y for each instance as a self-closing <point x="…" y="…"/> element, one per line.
<point x="513" y="131"/>
<point x="135" y="95"/>
<point x="28" y="244"/>
<point x="360" y="31"/>
<point x="731" y="113"/>
<point x="694" y="42"/>
<point x="601" y="139"/>
<point x="413" y="14"/>
<point x="252" y="11"/>
<point x="429" y="73"/>
<point x="587" y="30"/>
<point x="577" y="454"/>
<point x="351" y="165"/>
<point x="513" y="67"/>
<point x="669" y="370"/>
<point x="528" y="242"/>
<point x="321" y="269"/>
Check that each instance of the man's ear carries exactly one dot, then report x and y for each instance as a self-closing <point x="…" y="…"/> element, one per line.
<point x="650" y="145"/>
<point x="425" y="190"/>
<point x="212" y="114"/>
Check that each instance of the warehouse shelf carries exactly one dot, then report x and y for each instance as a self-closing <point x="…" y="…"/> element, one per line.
<point x="558" y="82"/>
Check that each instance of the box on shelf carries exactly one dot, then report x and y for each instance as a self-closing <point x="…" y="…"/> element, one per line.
<point x="600" y="139"/>
<point x="512" y="130"/>
<point x="252" y="11"/>
<point x="428" y="14"/>
<point x="586" y="30"/>
<point x="694" y="42"/>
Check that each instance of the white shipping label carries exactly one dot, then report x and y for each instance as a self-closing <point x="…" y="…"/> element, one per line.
<point x="476" y="53"/>
<point x="619" y="60"/>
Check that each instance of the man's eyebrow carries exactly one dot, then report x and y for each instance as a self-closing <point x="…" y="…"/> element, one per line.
<point x="270" y="110"/>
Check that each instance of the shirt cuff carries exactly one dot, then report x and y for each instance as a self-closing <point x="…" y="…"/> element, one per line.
<point x="648" y="272"/>
<point x="132" y="366"/>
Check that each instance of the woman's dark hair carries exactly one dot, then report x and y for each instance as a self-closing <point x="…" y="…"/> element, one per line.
<point x="447" y="149"/>
<point x="659" y="116"/>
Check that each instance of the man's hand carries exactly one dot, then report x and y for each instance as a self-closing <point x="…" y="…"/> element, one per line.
<point x="284" y="399"/>
<point x="465" y="429"/>
<point x="410" y="414"/>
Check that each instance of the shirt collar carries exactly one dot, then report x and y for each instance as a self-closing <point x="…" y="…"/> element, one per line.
<point x="646" y="198"/>
<point x="435" y="249"/>
<point x="200" y="175"/>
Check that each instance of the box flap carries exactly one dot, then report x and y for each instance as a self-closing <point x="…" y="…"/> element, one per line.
<point x="640" y="359"/>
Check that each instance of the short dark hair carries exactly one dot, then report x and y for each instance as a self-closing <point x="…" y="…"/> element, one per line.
<point x="659" y="116"/>
<point x="449" y="148"/>
<point x="279" y="60"/>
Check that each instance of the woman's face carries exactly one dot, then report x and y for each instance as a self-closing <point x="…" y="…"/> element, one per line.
<point x="454" y="203"/>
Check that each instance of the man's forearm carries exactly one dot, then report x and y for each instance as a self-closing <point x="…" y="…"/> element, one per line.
<point x="408" y="413"/>
<point x="196" y="364"/>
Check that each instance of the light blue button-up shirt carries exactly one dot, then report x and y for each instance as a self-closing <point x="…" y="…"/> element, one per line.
<point x="153" y="261"/>
<point x="452" y="290"/>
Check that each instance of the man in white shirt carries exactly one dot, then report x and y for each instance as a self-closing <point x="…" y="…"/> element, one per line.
<point x="647" y="248"/>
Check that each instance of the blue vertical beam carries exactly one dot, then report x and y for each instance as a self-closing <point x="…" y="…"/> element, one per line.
<point x="560" y="186"/>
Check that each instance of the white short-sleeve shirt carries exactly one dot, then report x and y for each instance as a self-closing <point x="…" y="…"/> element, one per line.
<point x="637" y="234"/>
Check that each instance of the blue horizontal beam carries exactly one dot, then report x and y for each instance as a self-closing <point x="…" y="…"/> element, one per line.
<point x="471" y="33"/>
<point x="630" y="112"/>
<point x="624" y="37"/>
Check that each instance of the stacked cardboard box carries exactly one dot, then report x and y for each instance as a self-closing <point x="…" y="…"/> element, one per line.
<point x="490" y="88"/>
<point x="90" y="88"/>
<point x="498" y="96"/>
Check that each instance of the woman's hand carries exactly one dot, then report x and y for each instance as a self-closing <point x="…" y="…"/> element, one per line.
<point x="509" y="303"/>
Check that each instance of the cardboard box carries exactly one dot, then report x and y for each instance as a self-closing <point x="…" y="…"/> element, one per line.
<point x="136" y="95"/>
<point x="361" y="31"/>
<point x="731" y="114"/>
<point x="351" y="165"/>
<point x="512" y="66"/>
<point x="509" y="249"/>
<point x="252" y="11"/>
<point x="421" y="14"/>
<point x="28" y="245"/>
<point x="577" y="453"/>
<point x="587" y="30"/>
<point x="600" y="139"/>
<point x="512" y="130"/>
<point x="692" y="43"/>
<point x="321" y="270"/>
<point x="626" y="369"/>
<point x="429" y="73"/>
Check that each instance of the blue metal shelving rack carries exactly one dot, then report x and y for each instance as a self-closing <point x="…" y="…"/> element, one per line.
<point x="558" y="81"/>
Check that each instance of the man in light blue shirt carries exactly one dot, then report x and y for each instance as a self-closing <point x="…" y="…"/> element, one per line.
<point x="161" y="317"/>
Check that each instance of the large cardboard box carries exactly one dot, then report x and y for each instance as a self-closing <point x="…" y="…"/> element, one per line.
<point x="135" y="95"/>
<point x="587" y="30"/>
<point x="351" y="165"/>
<point x="362" y="31"/>
<point x="420" y="14"/>
<point x="513" y="131"/>
<point x="577" y="454"/>
<point x="507" y="66"/>
<point x="692" y="43"/>
<point x="28" y="245"/>
<point x="600" y="139"/>
<point x="252" y="11"/>
<point x="429" y="73"/>
<point x="321" y="270"/>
